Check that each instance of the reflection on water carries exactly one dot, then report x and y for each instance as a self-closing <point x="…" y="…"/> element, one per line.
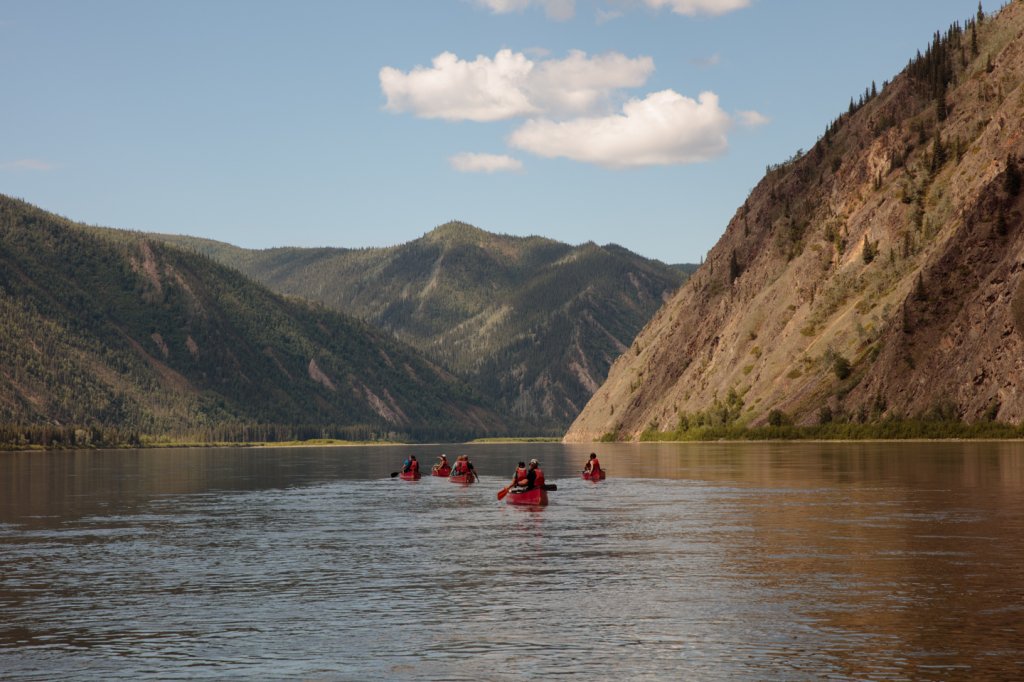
<point x="711" y="561"/>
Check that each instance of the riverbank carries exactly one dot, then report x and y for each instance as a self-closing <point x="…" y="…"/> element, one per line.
<point x="892" y="429"/>
<point x="145" y="444"/>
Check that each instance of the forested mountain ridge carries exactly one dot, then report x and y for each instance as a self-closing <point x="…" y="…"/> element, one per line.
<point x="534" y="323"/>
<point x="143" y="338"/>
<point x="876" y="277"/>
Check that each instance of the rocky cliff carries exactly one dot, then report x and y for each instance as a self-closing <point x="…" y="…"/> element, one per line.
<point x="878" y="275"/>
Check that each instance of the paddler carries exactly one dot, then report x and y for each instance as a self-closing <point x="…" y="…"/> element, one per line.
<point x="534" y="477"/>
<point x="442" y="463"/>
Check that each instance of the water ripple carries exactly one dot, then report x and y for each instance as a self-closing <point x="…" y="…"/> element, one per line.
<point x="337" y="576"/>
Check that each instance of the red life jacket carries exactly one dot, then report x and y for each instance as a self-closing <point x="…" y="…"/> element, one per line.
<point x="520" y="474"/>
<point x="414" y="466"/>
<point x="460" y="467"/>
<point x="538" y="482"/>
<point x="595" y="465"/>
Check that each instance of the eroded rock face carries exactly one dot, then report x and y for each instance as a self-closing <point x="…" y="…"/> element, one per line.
<point x="879" y="274"/>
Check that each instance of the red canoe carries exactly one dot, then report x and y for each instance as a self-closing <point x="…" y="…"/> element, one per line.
<point x="533" y="496"/>
<point x="588" y="477"/>
<point x="462" y="478"/>
<point x="440" y="471"/>
<point x="409" y="475"/>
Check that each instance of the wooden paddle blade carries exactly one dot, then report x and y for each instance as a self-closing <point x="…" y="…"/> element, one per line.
<point x="502" y="493"/>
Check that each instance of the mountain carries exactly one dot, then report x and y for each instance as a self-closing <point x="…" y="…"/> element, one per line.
<point x="106" y="330"/>
<point x="876" y="277"/>
<point x="533" y="323"/>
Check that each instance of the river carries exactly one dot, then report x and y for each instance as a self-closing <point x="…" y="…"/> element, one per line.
<point x="720" y="561"/>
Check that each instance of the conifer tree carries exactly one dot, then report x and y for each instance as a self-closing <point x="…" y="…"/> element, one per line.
<point x="1012" y="178"/>
<point x="734" y="267"/>
<point x="941" y="110"/>
<point x="869" y="251"/>
<point x="938" y="153"/>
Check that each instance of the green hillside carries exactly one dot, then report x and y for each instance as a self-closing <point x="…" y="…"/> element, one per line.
<point x="131" y="338"/>
<point x="533" y="323"/>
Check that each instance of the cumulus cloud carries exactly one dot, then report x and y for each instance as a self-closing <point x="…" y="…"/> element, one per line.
<point x="578" y="83"/>
<point x="559" y="10"/>
<point x="574" y="105"/>
<point x="694" y="7"/>
<point x="662" y="129"/>
<point x="752" y="119"/>
<point x="469" y="162"/>
<point x="28" y="164"/>
<point x="453" y="89"/>
<point x="562" y="10"/>
<point x="510" y="85"/>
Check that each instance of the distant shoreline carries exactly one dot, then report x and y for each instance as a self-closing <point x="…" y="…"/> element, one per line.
<point x="313" y="443"/>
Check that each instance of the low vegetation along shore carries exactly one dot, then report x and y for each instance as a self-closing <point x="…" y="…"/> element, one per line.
<point x="887" y="430"/>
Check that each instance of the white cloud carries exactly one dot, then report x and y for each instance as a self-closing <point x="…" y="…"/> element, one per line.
<point x="694" y="7"/>
<point x="453" y="89"/>
<point x="662" y="129"/>
<point x="707" y="62"/>
<point x="469" y="162"/>
<point x="559" y="10"/>
<point x="511" y="85"/>
<point x="562" y="10"/>
<point x="28" y="164"/>
<point x="578" y="83"/>
<point x="752" y="119"/>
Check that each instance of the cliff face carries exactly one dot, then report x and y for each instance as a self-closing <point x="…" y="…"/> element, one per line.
<point x="878" y="275"/>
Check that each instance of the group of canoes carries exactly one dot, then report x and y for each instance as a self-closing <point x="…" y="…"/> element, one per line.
<point x="461" y="472"/>
<point x="527" y="486"/>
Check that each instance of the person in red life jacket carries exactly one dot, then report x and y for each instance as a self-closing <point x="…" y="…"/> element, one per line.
<point x="593" y="466"/>
<point x="534" y="477"/>
<point x="442" y="465"/>
<point x="414" y="466"/>
<point x="520" y="473"/>
<point x="464" y="466"/>
<point x="538" y="480"/>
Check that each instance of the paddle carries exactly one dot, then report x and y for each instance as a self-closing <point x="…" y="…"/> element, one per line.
<point x="394" y="474"/>
<point x="504" y="491"/>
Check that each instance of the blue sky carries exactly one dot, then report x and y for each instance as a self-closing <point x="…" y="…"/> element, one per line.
<point x="369" y="122"/>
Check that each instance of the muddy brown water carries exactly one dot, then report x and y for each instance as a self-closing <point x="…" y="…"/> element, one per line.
<point x="698" y="561"/>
